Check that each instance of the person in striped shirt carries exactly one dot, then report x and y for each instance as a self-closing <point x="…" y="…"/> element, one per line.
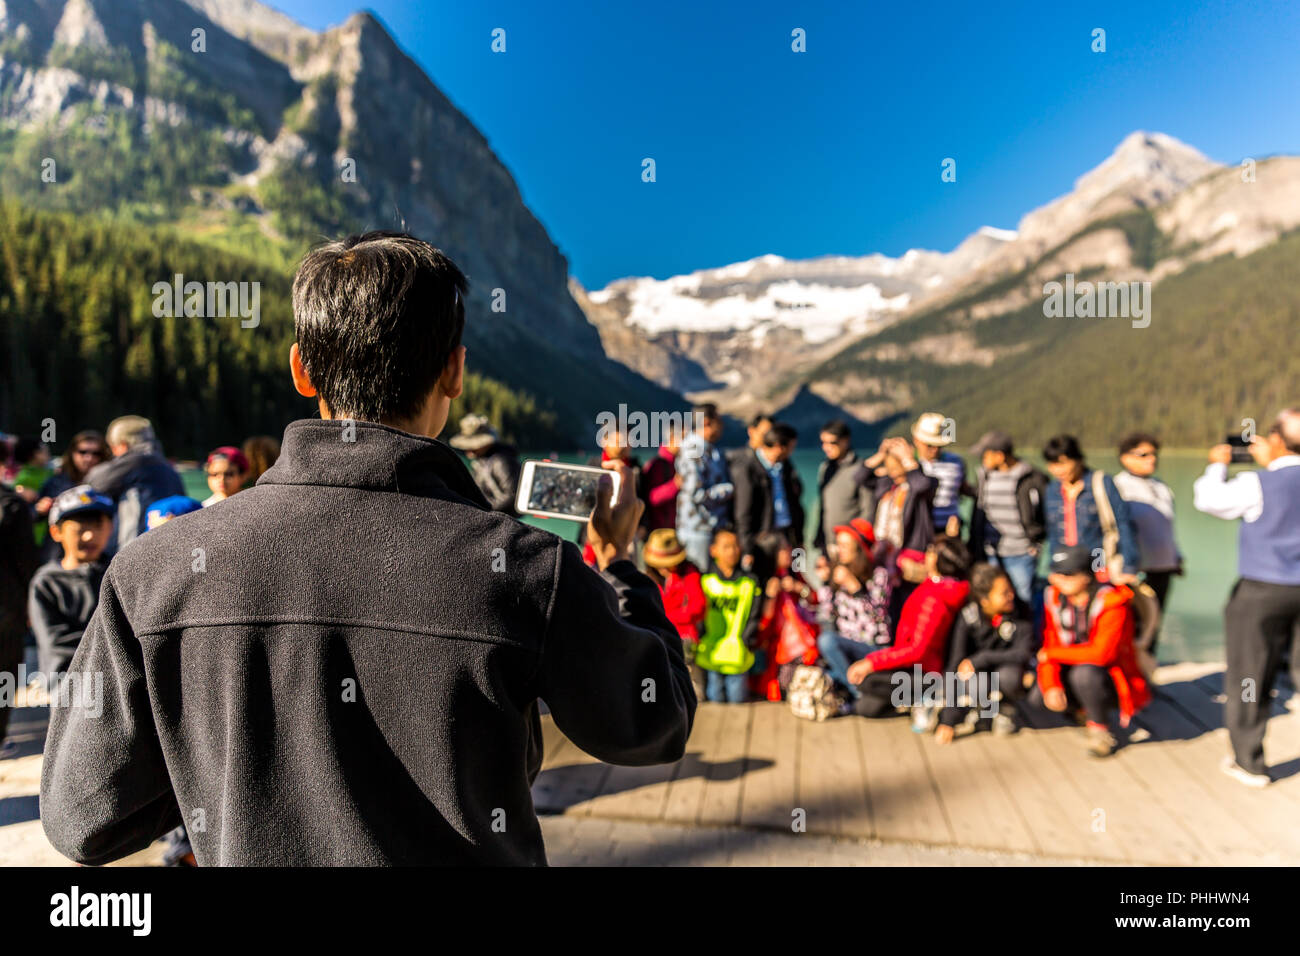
<point x="931" y="435"/>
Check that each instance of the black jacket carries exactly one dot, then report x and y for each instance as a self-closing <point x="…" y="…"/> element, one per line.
<point x="134" y="481"/>
<point x="341" y="665"/>
<point x="60" y="605"/>
<point x="988" y="647"/>
<point x="497" y="475"/>
<point x="753" y="499"/>
<point x="1030" y="491"/>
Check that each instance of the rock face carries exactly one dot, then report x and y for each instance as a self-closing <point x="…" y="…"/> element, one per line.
<point x="342" y="130"/>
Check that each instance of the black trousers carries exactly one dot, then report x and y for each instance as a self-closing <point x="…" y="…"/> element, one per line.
<point x="877" y="698"/>
<point x="1261" y="628"/>
<point x="1087" y="686"/>
<point x="1010" y="685"/>
<point x="1159" y="582"/>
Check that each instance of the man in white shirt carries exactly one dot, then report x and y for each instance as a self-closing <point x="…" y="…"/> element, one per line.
<point x="1262" y="618"/>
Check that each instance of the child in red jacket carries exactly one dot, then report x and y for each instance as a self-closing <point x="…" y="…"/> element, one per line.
<point x="888" y="678"/>
<point x="679" y="584"/>
<point x="1088" y="660"/>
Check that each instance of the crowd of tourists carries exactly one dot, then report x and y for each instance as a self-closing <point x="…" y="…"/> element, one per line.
<point x="903" y="587"/>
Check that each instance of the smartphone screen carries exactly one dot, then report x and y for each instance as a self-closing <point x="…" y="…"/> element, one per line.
<point x="549" y="489"/>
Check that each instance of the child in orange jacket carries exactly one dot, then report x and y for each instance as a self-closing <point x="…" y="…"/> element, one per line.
<point x="1087" y="659"/>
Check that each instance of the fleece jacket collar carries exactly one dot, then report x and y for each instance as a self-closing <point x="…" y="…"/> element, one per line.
<point x="368" y="455"/>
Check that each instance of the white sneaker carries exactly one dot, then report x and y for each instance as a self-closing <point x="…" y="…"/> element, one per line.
<point x="924" y="718"/>
<point x="1237" y="773"/>
<point x="1003" y="725"/>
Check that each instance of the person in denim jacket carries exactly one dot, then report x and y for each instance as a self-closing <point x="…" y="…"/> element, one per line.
<point x="1073" y="520"/>
<point x="705" y="491"/>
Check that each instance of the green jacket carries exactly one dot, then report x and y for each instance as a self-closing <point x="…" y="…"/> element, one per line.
<point x="730" y="624"/>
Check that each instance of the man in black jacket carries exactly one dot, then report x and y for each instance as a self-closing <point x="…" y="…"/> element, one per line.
<point x="767" y="500"/>
<point x="341" y="665"/>
<point x="134" y="478"/>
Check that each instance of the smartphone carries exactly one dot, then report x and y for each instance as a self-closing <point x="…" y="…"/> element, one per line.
<point x="1240" y="450"/>
<point x="552" y="489"/>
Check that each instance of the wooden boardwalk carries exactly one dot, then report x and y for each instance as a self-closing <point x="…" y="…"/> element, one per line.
<point x="1161" y="799"/>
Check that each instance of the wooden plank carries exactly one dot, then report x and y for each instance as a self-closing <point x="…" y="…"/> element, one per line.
<point x="854" y="811"/>
<point x="725" y="777"/>
<point x="980" y="811"/>
<point x="768" y="798"/>
<point x="574" y="778"/>
<point x="1154" y="764"/>
<point x="634" y="793"/>
<point x="686" y="789"/>
<point x="904" y="802"/>
<point x="831" y="786"/>
<point x="1137" y="818"/>
<point x="1246" y="824"/>
<point x="1056" y="812"/>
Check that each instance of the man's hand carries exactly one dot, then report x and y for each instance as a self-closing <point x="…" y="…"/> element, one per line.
<point x="611" y="531"/>
<point x="859" y="671"/>
<point x="1054" y="699"/>
<point x="1221" y="455"/>
<point x="966" y="670"/>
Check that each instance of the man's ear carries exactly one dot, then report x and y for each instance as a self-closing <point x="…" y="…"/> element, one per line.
<point x="452" y="381"/>
<point x="300" y="380"/>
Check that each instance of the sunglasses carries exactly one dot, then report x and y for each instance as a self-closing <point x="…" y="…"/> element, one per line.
<point x="224" y="474"/>
<point x="1143" y="454"/>
<point x="88" y="451"/>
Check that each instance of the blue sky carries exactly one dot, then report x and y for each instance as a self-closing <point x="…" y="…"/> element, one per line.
<point x="836" y="150"/>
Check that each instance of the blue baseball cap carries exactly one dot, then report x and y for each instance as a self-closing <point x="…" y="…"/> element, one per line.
<point x="80" y="500"/>
<point x="166" y="508"/>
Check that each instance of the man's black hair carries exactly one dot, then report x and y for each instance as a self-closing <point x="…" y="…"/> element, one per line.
<point x="706" y="411"/>
<point x="759" y="418"/>
<point x="1062" y="446"/>
<point x="377" y="317"/>
<point x="837" y="428"/>
<point x="1133" y="439"/>
<point x="952" y="559"/>
<point x="780" y="435"/>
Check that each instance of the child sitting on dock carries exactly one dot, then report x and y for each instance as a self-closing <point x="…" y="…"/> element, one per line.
<point x="1088" y="660"/>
